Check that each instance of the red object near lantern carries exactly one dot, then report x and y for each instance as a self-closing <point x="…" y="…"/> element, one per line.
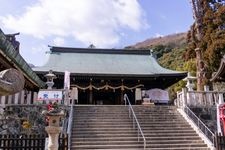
<point x="222" y="117"/>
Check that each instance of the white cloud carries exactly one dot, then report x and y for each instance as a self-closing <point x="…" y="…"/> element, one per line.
<point x="37" y="50"/>
<point x="158" y="35"/>
<point x="88" y="21"/>
<point x="58" y="41"/>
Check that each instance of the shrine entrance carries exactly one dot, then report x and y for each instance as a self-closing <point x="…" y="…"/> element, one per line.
<point x="104" y="97"/>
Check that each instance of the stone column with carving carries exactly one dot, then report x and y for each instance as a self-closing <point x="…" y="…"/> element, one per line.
<point x="54" y="129"/>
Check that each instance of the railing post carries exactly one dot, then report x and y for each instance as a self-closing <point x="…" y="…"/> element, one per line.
<point x="134" y="120"/>
<point x="138" y="135"/>
<point x="184" y="97"/>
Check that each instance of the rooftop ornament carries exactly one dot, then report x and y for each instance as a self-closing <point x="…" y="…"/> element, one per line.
<point x="190" y="85"/>
<point x="50" y="77"/>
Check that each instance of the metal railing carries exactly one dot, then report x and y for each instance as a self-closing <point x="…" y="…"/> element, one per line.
<point x="134" y="119"/>
<point x="70" y="123"/>
<point x="203" y="128"/>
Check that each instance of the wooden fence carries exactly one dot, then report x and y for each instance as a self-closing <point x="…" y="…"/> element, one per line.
<point x="29" y="142"/>
<point x="220" y="142"/>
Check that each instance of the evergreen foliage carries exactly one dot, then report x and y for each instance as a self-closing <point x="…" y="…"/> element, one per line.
<point x="212" y="43"/>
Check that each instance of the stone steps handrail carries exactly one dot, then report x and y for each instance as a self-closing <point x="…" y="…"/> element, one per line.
<point x="70" y="124"/>
<point x="135" y="121"/>
<point x="203" y="128"/>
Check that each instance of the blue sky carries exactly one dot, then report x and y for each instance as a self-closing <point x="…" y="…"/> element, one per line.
<point x="79" y="23"/>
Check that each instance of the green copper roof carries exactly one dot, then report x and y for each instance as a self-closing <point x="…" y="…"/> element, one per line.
<point x="104" y="62"/>
<point x="8" y="51"/>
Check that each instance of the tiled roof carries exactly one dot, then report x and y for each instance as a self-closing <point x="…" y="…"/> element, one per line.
<point x="7" y="49"/>
<point x="114" y="62"/>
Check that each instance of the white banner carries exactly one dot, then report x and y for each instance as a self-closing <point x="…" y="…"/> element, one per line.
<point x="157" y="95"/>
<point x="67" y="80"/>
<point x="50" y="95"/>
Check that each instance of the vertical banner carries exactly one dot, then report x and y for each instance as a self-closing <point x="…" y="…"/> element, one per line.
<point x="66" y="87"/>
<point x="67" y="80"/>
<point x="138" y="94"/>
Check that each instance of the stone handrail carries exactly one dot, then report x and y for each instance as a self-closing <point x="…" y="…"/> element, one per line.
<point x="199" y="98"/>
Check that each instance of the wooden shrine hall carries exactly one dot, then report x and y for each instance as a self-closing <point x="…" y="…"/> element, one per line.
<point x="103" y="76"/>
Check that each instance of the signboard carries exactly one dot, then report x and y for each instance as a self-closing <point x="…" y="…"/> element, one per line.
<point x="157" y="95"/>
<point x="50" y="95"/>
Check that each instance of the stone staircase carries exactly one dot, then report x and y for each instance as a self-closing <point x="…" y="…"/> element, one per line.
<point x="165" y="129"/>
<point x="103" y="127"/>
<point x="109" y="127"/>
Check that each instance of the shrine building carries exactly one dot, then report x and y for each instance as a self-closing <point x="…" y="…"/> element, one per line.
<point x="103" y="76"/>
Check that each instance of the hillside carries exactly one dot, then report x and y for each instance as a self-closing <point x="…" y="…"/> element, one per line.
<point x="174" y="40"/>
<point x="169" y="51"/>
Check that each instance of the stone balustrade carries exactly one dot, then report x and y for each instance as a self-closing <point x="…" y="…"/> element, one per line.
<point x="23" y="97"/>
<point x="199" y="98"/>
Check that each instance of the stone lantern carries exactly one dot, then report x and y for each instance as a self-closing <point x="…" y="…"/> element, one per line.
<point x="190" y="82"/>
<point x="50" y="77"/>
<point x="54" y="129"/>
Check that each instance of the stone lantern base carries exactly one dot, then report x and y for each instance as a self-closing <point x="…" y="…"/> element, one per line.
<point x="53" y="133"/>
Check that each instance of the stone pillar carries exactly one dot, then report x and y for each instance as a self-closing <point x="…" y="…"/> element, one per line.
<point x="3" y="100"/>
<point x="53" y="135"/>
<point x="221" y="101"/>
<point x="74" y="95"/>
<point x="208" y="96"/>
<point x="16" y="98"/>
<point x="9" y="99"/>
<point x="22" y="97"/>
<point x="53" y="129"/>
<point x="35" y="97"/>
<point x="184" y="97"/>
<point x="29" y="97"/>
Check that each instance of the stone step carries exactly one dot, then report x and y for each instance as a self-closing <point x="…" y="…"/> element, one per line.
<point x="125" y="128"/>
<point x="128" y="131"/>
<point x="128" y="134"/>
<point x="109" y="127"/>
<point x="130" y="123"/>
<point x="134" y="138"/>
<point x="140" y="145"/>
<point x="133" y="146"/>
<point x="140" y="119"/>
<point x="180" y="148"/>
<point x="151" y="142"/>
<point x="156" y="126"/>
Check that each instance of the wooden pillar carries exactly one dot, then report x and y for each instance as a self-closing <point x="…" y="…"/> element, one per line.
<point x="90" y="97"/>
<point x="121" y="97"/>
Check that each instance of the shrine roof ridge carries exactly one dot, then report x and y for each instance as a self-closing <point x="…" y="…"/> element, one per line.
<point x="55" y="49"/>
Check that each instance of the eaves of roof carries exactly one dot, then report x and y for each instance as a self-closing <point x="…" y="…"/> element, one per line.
<point x="9" y="52"/>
